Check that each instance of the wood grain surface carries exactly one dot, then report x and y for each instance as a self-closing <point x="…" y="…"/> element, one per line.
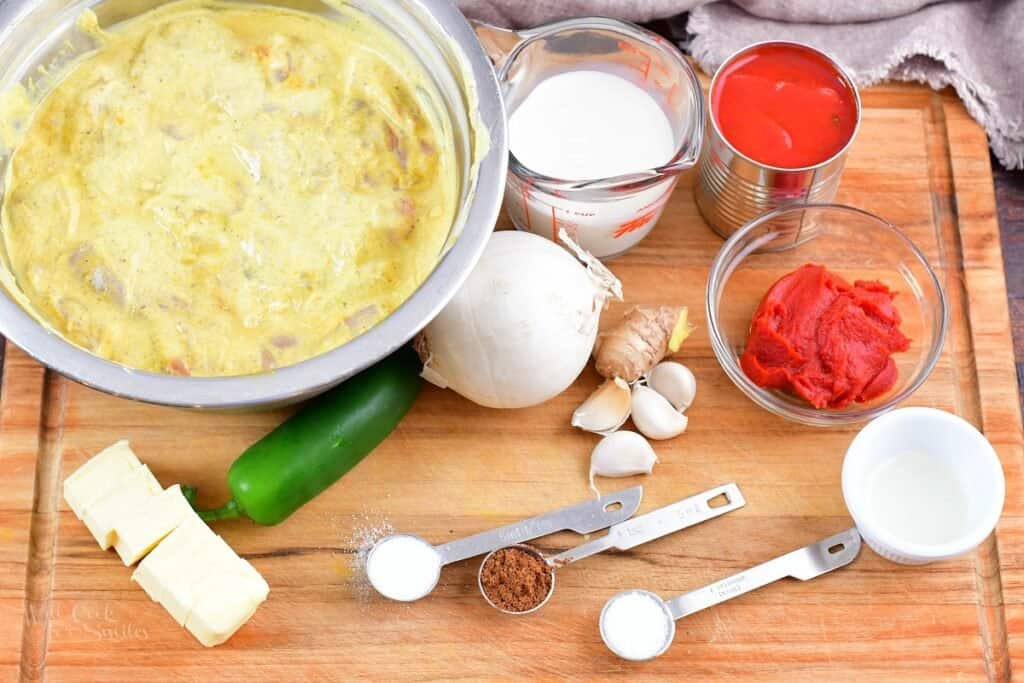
<point x="68" y="611"/>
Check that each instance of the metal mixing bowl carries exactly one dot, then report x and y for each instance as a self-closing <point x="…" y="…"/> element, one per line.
<point x="41" y="34"/>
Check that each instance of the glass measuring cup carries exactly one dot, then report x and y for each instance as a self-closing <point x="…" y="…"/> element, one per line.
<point x="606" y="216"/>
<point x="628" y="534"/>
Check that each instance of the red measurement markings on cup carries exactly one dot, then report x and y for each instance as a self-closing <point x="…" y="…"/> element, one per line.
<point x="647" y="214"/>
<point x="662" y="77"/>
<point x="644" y="67"/>
<point x="634" y="224"/>
<point x="571" y="227"/>
<point x="526" y="193"/>
<point x="673" y="94"/>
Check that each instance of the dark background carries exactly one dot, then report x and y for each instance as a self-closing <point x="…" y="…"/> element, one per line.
<point x="1010" y="206"/>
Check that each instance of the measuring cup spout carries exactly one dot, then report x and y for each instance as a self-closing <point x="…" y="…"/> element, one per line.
<point x="688" y="157"/>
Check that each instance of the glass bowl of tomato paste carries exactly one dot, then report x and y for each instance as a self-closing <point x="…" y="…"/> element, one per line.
<point x="825" y="314"/>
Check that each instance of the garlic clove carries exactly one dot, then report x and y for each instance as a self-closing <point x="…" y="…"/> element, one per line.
<point x="621" y="454"/>
<point x="654" y="416"/>
<point x="675" y="382"/>
<point x="606" y="409"/>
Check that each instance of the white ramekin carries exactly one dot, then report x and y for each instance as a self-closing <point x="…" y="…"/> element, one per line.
<point x="940" y="435"/>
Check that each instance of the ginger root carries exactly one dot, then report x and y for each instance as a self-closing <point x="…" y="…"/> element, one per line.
<point x="639" y="342"/>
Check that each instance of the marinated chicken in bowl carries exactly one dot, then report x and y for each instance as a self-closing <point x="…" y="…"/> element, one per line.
<point x="223" y="189"/>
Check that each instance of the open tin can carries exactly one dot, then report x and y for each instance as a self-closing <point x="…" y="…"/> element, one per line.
<point x="733" y="189"/>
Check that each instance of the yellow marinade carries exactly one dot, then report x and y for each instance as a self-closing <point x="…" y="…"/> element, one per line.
<point x="222" y="189"/>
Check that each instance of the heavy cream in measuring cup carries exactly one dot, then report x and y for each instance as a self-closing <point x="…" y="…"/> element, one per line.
<point x="589" y="125"/>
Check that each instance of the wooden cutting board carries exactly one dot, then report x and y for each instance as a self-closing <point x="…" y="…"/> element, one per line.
<point x="69" y="612"/>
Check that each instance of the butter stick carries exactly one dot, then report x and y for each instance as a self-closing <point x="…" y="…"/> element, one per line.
<point x="171" y="572"/>
<point x="147" y="525"/>
<point x="129" y="493"/>
<point x="224" y="602"/>
<point x="98" y="476"/>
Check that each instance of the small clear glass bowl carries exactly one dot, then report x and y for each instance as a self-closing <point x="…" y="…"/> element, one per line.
<point x="852" y="243"/>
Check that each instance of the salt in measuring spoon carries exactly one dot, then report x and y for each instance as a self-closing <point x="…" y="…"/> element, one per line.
<point x="805" y="563"/>
<point x="387" y="562"/>
<point x="633" y="532"/>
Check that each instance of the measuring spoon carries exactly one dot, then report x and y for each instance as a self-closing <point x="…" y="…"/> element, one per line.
<point x="584" y="518"/>
<point x="804" y="563"/>
<point x="633" y="532"/>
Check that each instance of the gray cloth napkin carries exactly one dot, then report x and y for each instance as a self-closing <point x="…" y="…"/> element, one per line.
<point x="975" y="46"/>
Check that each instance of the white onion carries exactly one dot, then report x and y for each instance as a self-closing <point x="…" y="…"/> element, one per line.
<point x="521" y="329"/>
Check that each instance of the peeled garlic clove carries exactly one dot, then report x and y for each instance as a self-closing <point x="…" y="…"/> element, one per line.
<point x="675" y="382"/>
<point x="621" y="454"/>
<point x="606" y="409"/>
<point x="654" y="416"/>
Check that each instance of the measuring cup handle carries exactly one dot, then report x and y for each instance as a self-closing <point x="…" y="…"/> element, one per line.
<point x="498" y="42"/>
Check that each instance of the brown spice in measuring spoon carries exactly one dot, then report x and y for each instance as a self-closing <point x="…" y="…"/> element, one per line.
<point x="515" y="579"/>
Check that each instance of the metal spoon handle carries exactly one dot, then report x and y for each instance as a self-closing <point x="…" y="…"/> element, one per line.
<point x="660" y="522"/>
<point x="804" y="564"/>
<point x="720" y="591"/>
<point x="584" y="518"/>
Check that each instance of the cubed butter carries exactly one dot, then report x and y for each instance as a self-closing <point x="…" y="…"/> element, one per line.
<point x="188" y="568"/>
<point x="98" y="476"/>
<point x="224" y="602"/>
<point x="130" y="492"/>
<point x="147" y="525"/>
<point x="171" y="572"/>
<point x="202" y="582"/>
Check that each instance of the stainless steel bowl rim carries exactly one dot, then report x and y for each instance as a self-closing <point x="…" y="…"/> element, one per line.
<point x="321" y="372"/>
<point x="766" y="399"/>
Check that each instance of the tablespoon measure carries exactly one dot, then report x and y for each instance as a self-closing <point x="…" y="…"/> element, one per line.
<point x="633" y="532"/>
<point x="584" y="518"/>
<point x="804" y="564"/>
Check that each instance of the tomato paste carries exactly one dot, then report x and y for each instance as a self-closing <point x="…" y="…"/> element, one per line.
<point x="828" y="341"/>
<point x="784" y="105"/>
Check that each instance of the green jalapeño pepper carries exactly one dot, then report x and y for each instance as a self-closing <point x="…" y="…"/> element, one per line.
<point x="312" y="449"/>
